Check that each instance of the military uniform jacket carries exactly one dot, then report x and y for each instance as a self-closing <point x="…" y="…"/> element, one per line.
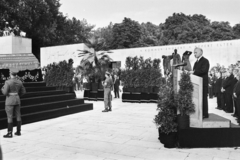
<point x="108" y="83"/>
<point x="11" y="87"/>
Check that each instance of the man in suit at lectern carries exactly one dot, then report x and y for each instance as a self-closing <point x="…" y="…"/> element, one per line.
<point x="201" y="68"/>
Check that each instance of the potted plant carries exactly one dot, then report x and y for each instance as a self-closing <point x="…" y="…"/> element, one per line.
<point x="166" y="117"/>
<point x="184" y="101"/>
<point x="60" y="75"/>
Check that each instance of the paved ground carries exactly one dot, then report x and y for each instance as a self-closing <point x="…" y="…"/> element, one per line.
<point x="127" y="133"/>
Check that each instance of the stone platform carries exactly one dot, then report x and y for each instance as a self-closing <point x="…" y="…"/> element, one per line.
<point x="216" y="121"/>
<point x="16" y="54"/>
<point x="15" y="45"/>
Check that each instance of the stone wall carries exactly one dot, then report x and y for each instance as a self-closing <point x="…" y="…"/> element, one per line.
<point x="223" y="52"/>
<point x="60" y="53"/>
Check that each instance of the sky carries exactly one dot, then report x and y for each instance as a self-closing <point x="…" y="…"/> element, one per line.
<point x="101" y="12"/>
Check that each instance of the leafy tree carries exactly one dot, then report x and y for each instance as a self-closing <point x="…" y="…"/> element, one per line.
<point x="222" y="31"/>
<point x="106" y="35"/>
<point x="42" y="21"/>
<point x="181" y="28"/>
<point x="236" y="30"/>
<point x="126" y="34"/>
<point x="150" y="34"/>
<point x="94" y="64"/>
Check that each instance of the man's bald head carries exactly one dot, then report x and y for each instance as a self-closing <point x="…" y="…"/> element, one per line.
<point x="198" y="52"/>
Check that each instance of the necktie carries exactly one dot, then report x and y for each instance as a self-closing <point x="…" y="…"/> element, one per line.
<point x="197" y="61"/>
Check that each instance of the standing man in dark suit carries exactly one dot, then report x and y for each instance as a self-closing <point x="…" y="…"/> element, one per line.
<point x="228" y="86"/>
<point x="235" y="73"/>
<point x="223" y="91"/>
<point x="116" y="86"/>
<point x="218" y="93"/>
<point x="210" y="85"/>
<point x="236" y="95"/>
<point x="201" y="68"/>
<point x="13" y="89"/>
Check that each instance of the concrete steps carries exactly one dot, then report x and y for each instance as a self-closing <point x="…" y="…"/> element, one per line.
<point x="42" y="103"/>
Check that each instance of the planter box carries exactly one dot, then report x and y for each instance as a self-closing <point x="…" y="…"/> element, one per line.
<point x="125" y="89"/>
<point x="138" y="89"/>
<point x="144" y="90"/>
<point x="86" y="86"/>
<point x="130" y="89"/>
<point x="100" y="94"/>
<point x="183" y="121"/>
<point x="155" y="89"/>
<point x="100" y="86"/>
<point x="150" y="89"/>
<point x="94" y="86"/>
<point x="169" y="140"/>
<point x="86" y="94"/>
<point x="68" y="89"/>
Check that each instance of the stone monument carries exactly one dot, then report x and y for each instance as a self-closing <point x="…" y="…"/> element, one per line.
<point x="16" y="54"/>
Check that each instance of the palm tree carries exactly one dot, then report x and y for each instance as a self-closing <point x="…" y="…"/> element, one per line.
<point x="94" y="63"/>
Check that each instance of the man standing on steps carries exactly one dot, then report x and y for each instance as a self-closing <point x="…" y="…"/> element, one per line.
<point x="201" y="68"/>
<point x="13" y="89"/>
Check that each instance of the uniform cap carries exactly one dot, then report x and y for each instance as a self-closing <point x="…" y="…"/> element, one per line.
<point x="107" y="73"/>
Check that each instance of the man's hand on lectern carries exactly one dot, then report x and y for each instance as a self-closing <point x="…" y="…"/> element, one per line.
<point x="191" y="72"/>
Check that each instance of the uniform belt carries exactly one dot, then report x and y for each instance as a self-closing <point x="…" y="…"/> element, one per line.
<point x="13" y="94"/>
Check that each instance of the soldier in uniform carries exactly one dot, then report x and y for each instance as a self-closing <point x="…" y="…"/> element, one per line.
<point x="13" y="89"/>
<point x="108" y="86"/>
<point x="0" y="153"/>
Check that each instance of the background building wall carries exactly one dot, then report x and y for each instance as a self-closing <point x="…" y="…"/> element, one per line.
<point x="59" y="53"/>
<point x="222" y="52"/>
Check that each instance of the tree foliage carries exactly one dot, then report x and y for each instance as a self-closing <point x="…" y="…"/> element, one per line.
<point x="236" y="30"/>
<point x="177" y="29"/>
<point x="47" y="26"/>
<point x="183" y="98"/>
<point x="94" y="64"/>
<point x="126" y="34"/>
<point x="44" y="23"/>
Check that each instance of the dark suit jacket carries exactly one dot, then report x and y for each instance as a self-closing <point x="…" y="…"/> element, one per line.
<point x="210" y="81"/>
<point x="228" y="85"/>
<point x="237" y="89"/>
<point x="224" y="79"/>
<point x="117" y="83"/>
<point x="218" y="85"/>
<point x="201" y="69"/>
